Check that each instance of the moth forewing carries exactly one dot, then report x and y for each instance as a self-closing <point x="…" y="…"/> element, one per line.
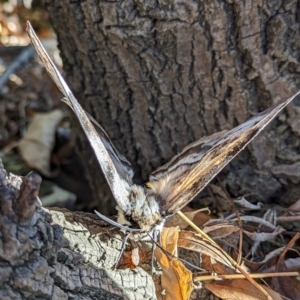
<point x="180" y="180"/>
<point x="118" y="186"/>
<point x="122" y="165"/>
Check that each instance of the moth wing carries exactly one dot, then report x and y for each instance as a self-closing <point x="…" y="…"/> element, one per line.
<point x="122" y="165"/>
<point x="103" y="148"/>
<point x="180" y="180"/>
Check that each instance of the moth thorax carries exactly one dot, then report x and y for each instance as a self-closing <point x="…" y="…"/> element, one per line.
<point x="144" y="208"/>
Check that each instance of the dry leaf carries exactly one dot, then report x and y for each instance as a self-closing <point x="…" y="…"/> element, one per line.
<point x="255" y="266"/>
<point x="242" y="203"/>
<point x="264" y="236"/>
<point x="194" y="242"/>
<point x="220" y="230"/>
<point x="130" y="259"/>
<point x="284" y="284"/>
<point x="211" y="265"/>
<point x="38" y="142"/>
<point x="259" y="237"/>
<point x="176" y="279"/>
<point x="176" y="220"/>
<point x="169" y="238"/>
<point x="295" y="283"/>
<point x="239" y="289"/>
<point x="291" y="265"/>
<point x="257" y="221"/>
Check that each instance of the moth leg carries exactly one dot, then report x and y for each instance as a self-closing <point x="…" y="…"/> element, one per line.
<point x="155" y="237"/>
<point x="122" y="227"/>
<point x="127" y="233"/>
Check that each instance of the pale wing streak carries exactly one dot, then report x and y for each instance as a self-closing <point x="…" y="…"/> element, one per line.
<point x="188" y="155"/>
<point x="118" y="186"/>
<point x="122" y="165"/>
<point x="187" y="178"/>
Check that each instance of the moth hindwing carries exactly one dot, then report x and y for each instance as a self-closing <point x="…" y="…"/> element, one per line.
<point x="172" y="185"/>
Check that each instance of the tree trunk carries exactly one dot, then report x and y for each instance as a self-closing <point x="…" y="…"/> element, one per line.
<point x="159" y="75"/>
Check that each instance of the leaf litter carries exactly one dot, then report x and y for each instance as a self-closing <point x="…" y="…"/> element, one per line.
<point x="257" y="231"/>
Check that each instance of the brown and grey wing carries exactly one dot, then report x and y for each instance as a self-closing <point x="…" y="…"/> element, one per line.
<point x="123" y="166"/>
<point x="119" y="186"/>
<point x="179" y="181"/>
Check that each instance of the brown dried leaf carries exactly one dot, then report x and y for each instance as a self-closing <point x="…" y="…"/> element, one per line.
<point x="291" y="265"/>
<point x="284" y="284"/>
<point x="295" y="283"/>
<point x="239" y="289"/>
<point x="197" y="216"/>
<point x="194" y="242"/>
<point x="176" y="280"/>
<point x="169" y="238"/>
<point x="210" y="265"/>
<point x="130" y="259"/>
<point x="254" y="266"/>
<point x="220" y="230"/>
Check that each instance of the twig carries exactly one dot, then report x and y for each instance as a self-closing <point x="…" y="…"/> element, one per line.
<point x="229" y="199"/>
<point x="241" y="276"/>
<point x="17" y="63"/>
<point x="287" y="247"/>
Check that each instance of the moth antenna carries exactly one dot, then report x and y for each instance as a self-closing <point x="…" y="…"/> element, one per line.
<point x="108" y="220"/>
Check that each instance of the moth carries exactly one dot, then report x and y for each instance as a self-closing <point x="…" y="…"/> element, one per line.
<point x="174" y="184"/>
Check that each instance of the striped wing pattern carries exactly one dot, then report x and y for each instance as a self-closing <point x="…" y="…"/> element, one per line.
<point x="179" y="181"/>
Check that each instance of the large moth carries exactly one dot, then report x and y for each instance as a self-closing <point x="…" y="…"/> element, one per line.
<point x="174" y="184"/>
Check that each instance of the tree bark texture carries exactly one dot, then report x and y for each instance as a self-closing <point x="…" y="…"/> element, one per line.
<point x="57" y="254"/>
<point x="161" y="74"/>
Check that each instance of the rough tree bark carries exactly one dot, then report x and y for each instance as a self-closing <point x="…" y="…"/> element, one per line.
<point x="157" y="75"/>
<point x="58" y="254"/>
<point x="161" y="74"/>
